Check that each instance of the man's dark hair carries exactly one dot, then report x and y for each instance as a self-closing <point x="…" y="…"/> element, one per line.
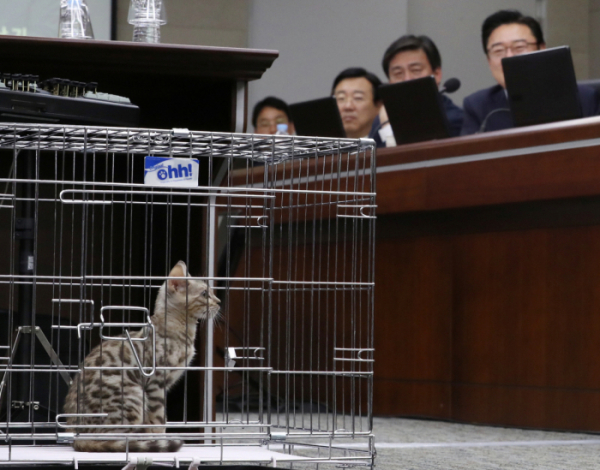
<point x="271" y="102"/>
<point x="359" y="72"/>
<point x="410" y="42"/>
<point x="503" y="17"/>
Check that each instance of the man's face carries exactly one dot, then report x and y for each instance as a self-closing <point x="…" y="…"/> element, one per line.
<point x="268" y="118"/>
<point x="506" y="41"/>
<point x="411" y="64"/>
<point x="354" y="98"/>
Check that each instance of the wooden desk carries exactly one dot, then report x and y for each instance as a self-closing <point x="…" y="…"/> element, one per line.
<point x="487" y="278"/>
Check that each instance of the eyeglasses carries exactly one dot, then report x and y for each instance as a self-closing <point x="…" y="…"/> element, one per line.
<point x="516" y="47"/>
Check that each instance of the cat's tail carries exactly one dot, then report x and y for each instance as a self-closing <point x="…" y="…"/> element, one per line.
<point x="122" y="446"/>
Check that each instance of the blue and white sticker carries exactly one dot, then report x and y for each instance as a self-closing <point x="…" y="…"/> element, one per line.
<point x="172" y="172"/>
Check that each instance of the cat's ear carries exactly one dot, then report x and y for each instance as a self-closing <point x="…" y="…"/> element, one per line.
<point x="179" y="270"/>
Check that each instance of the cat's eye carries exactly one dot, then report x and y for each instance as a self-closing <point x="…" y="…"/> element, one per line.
<point x="205" y="294"/>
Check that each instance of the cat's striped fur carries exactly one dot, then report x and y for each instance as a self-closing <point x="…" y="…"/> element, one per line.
<point x="125" y="395"/>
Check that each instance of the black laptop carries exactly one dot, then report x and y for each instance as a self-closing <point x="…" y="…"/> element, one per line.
<point x="415" y="110"/>
<point x="318" y="118"/>
<point x="542" y="87"/>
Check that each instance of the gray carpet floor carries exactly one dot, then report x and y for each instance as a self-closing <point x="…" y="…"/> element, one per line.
<point x="406" y="444"/>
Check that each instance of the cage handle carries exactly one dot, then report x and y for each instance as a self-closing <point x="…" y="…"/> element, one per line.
<point x="361" y="211"/>
<point x="128" y="337"/>
<point x="135" y="354"/>
<point x="231" y="354"/>
<point x="261" y="221"/>
<point x="358" y="352"/>
<point x="136" y="325"/>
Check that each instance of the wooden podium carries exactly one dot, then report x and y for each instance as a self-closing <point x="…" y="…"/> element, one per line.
<point x="195" y="87"/>
<point x="488" y="278"/>
<point x="175" y="86"/>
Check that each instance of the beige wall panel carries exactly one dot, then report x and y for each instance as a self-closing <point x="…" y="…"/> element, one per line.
<point x="209" y="14"/>
<point x="594" y="23"/>
<point x="205" y="37"/>
<point x="200" y="22"/>
<point x="568" y="24"/>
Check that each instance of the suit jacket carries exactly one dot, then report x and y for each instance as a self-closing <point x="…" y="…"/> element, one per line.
<point x="492" y="103"/>
<point x="453" y="113"/>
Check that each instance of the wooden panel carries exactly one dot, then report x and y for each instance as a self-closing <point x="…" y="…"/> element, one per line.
<point x="527" y="309"/>
<point x="546" y="134"/>
<point x="544" y="408"/>
<point x="487" y="294"/>
<point x="413" y="310"/>
<point x="412" y="398"/>
<point x="569" y="173"/>
<point x="305" y="324"/>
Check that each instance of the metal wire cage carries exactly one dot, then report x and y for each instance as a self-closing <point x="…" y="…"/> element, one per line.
<point x="281" y="227"/>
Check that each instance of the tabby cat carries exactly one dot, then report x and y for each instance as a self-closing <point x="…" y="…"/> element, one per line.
<point x="127" y="396"/>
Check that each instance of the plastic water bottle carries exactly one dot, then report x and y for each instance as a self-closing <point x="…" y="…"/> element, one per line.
<point x="282" y="129"/>
<point x="147" y="16"/>
<point x="75" y="22"/>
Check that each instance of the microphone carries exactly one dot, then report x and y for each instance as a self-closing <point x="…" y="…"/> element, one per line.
<point x="451" y="85"/>
<point x="483" y="126"/>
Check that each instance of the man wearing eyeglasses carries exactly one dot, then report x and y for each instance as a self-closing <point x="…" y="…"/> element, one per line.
<point x="408" y="58"/>
<point x="356" y="93"/>
<point x="507" y="33"/>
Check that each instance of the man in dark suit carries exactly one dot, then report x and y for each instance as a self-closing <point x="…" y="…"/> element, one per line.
<point x="407" y="58"/>
<point x="356" y="92"/>
<point x="504" y="34"/>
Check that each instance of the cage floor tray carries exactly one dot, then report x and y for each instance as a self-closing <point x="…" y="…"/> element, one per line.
<point x="185" y="456"/>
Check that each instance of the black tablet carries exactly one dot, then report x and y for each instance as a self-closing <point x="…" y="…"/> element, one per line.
<point x="318" y="118"/>
<point x="542" y="87"/>
<point x="415" y="110"/>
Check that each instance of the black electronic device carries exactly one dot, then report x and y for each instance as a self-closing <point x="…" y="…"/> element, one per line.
<point x="23" y="98"/>
<point x="26" y="99"/>
<point x="415" y="110"/>
<point x="542" y="87"/>
<point x="318" y="118"/>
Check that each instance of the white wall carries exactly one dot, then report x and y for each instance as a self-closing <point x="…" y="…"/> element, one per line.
<point x="455" y="27"/>
<point x="317" y="39"/>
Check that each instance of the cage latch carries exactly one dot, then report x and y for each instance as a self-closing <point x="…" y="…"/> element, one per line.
<point x="180" y="132"/>
<point x="356" y="211"/>
<point x="21" y="405"/>
<point x="142" y="463"/>
<point x="65" y="438"/>
<point x="278" y="436"/>
<point x="354" y="354"/>
<point x="231" y="354"/>
<point x="249" y="221"/>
